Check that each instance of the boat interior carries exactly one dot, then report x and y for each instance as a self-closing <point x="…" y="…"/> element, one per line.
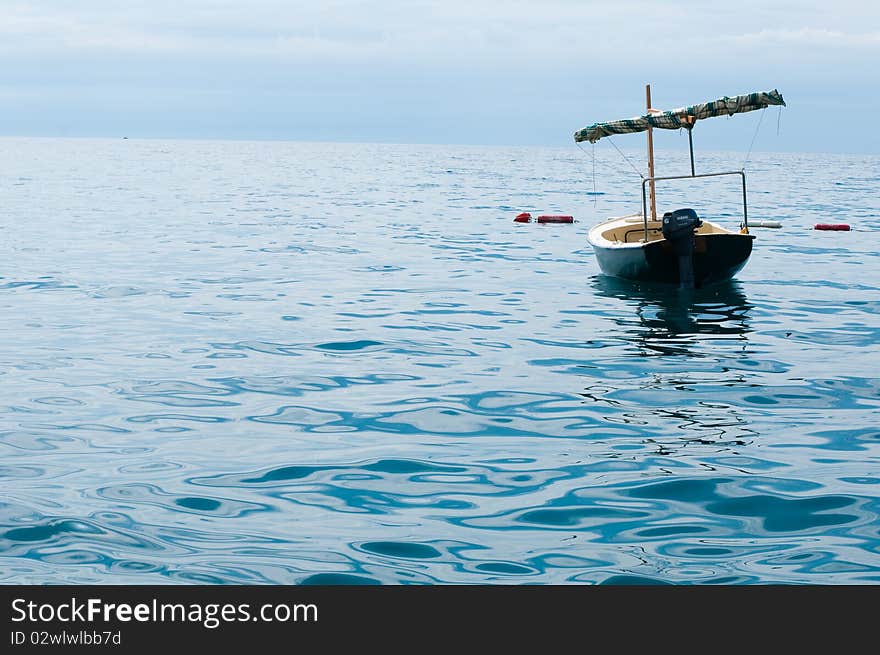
<point x="632" y="230"/>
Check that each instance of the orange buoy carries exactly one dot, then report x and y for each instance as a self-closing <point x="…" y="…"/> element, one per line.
<point x="556" y="219"/>
<point x="525" y="217"/>
<point x="832" y="226"/>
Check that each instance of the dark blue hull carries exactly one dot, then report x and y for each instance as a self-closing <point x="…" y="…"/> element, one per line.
<point x="717" y="257"/>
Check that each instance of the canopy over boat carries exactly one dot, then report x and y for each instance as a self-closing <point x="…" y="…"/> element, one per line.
<point x="683" y="117"/>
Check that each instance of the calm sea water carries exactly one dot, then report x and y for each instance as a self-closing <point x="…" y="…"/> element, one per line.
<point x="324" y="363"/>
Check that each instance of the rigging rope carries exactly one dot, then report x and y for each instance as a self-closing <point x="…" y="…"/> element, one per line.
<point x="626" y="158"/>
<point x="595" y="192"/>
<point x="754" y="136"/>
<point x="581" y="148"/>
<point x="618" y="150"/>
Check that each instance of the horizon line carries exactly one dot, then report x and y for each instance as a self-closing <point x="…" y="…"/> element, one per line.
<point x="253" y="139"/>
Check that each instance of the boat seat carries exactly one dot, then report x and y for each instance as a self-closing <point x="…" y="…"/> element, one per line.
<point x="639" y="232"/>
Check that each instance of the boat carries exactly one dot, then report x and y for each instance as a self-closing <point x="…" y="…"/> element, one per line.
<point x="681" y="247"/>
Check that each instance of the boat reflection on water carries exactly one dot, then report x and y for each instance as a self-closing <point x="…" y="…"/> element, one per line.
<point x="697" y="342"/>
<point x="668" y="320"/>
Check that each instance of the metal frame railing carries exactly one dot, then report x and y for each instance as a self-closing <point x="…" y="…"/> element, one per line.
<point x="742" y="174"/>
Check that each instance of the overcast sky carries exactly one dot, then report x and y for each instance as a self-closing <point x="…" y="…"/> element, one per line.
<point x="437" y="71"/>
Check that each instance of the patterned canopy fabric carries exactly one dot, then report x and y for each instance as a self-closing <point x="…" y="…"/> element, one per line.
<point x="678" y="118"/>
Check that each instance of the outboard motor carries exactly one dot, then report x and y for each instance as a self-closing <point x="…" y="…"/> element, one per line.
<point x="678" y="229"/>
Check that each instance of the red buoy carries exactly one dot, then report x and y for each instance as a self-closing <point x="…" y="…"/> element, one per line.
<point x="832" y="226"/>
<point x="556" y="219"/>
<point x="525" y="217"/>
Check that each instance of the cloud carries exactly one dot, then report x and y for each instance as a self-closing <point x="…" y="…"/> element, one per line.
<point x="425" y="29"/>
<point x="537" y="64"/>
<point x="809" y="37"/>
<point x="582" y="39"/>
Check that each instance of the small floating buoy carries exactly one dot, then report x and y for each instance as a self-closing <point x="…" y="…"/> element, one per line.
<point x="556" y="219"/>
<point x="765" y="224"/>
<point x="525" y="217"/>
<point x="832" y="226"/>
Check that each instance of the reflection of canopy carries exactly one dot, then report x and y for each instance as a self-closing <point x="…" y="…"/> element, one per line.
<point x="674" y="119"/>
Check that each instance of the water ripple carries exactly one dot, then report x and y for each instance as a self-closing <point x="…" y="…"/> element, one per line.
<point x="263" y="363"/>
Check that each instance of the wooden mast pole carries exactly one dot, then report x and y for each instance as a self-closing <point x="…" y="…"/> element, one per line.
<point x="651" y="156"/>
